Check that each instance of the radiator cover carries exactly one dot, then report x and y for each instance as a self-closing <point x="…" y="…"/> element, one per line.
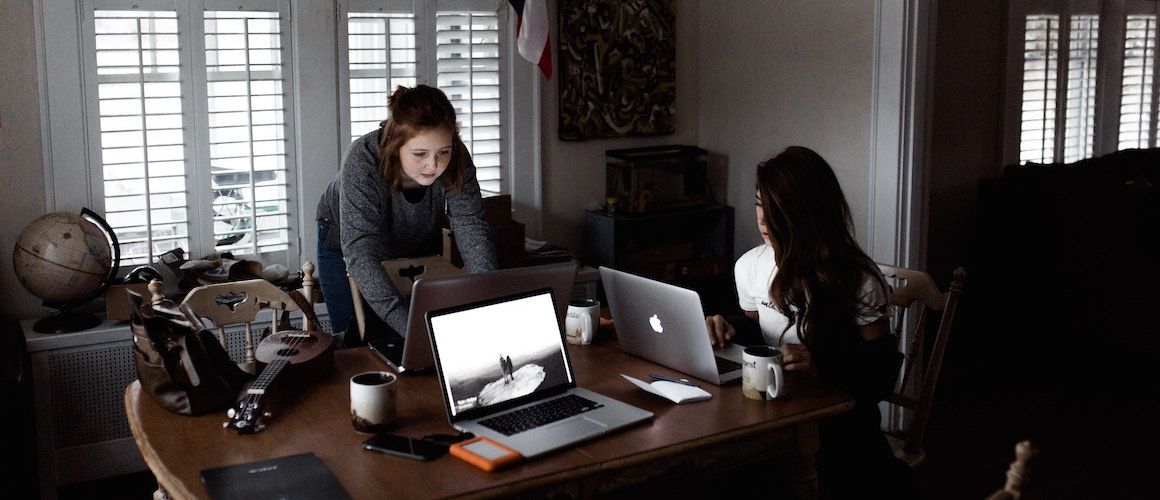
<point x="78" y="382"/>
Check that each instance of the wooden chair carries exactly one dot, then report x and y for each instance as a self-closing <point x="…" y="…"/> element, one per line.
<point x="915" y="291"/>
<point x="1017" y="474"/>
<point x="360" y="315"/>
<point x="239" y="302"/>
<point x="397" y="271"/>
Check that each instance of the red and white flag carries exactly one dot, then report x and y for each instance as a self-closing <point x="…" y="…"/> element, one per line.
<point x="532" y="33"/>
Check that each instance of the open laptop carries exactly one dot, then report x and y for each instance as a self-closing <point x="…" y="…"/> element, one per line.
<point x="505" y="374"/>
<point x="665" y="324"/>
<point x="412" y="353"/>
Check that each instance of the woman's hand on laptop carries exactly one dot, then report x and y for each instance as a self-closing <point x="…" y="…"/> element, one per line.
<point x="720" y="331"/>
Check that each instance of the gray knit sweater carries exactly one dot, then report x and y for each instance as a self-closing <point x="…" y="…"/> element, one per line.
<point x="375" y="225"/>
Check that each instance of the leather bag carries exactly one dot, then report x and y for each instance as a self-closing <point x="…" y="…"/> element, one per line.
<point x="180" y="364"/>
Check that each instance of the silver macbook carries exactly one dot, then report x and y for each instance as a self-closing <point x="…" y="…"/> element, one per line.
<point x="412" y="353"/>
<point x="505" y="374"/>
<point x="665" y="324"/>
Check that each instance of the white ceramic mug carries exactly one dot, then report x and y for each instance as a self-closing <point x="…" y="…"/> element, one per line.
<point x="762" y="374"/>
<point x="581" y="321"/>
<point x="373" y="401"/>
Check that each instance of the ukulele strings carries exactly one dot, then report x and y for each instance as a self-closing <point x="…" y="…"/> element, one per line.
<point x="272" y="370"/>
<point x="275" y="366"/>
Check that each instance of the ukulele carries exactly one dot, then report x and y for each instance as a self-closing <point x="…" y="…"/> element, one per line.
<point x="305" y="356"/>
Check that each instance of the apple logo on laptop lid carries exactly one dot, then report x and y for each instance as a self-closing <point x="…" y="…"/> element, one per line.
<point x="655" y="323"/>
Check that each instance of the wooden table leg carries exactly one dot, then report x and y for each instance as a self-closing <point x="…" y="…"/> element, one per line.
<point x="805" y="470"/>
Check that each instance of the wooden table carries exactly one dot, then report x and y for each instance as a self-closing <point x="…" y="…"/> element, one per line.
<point x="681" y="438"/>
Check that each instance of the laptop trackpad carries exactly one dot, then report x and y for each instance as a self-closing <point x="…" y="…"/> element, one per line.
<point x="579" y="427"/>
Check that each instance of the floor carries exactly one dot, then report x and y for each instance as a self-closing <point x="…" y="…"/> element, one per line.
<point x="1079" y="382"/>
<point x="136" y="486"/>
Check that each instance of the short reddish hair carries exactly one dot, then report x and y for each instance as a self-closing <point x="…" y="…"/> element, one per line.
<point x="413" y="111"/>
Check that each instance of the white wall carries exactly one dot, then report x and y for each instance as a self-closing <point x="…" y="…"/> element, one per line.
<point x="753" y="77"/>
<point x="21" y="165"/>
<point x="574" y="171"/>
<point x="776" y="74"/>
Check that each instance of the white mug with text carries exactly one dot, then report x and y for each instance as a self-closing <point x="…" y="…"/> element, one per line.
<point x="762" y="373"/>
<point x="581" y="321"/>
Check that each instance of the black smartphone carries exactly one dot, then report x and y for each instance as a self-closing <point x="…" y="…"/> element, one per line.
<point x="394" y="444"/>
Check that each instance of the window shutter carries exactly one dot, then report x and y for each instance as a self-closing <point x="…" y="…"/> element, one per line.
<point x="1058" y="108"/>
<point x="247" y="130"/>
<point x="138" y="75"/>
<point x="176" y="120"/>
<point x="1040" y="64"/>
<point x="381" y="56"/>
<point x="467" y="47"/>
<point x="1137" y="97"/>
<point x="1079" y="131"/>
<point x="384" y="51"/>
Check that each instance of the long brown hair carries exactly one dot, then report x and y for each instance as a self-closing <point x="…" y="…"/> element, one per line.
<point x="820" y="266"/>
<point x="412" y="112"/>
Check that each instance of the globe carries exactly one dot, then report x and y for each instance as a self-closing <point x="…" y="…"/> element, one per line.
<point x="66" y="260"/>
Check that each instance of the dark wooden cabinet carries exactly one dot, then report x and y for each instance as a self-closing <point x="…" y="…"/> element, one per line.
<point x="691" y="247"/>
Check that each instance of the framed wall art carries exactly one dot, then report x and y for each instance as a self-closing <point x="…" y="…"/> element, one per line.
<point x="617" y="68"/>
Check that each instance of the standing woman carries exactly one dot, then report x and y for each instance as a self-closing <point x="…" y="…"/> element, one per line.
<point x="811" y="290"/>
<point x="397" y="186"/>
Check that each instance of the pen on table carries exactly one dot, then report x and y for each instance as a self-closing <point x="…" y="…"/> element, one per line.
<point x="670" y="379"/>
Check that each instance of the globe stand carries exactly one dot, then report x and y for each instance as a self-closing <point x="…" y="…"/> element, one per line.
<point x="66" y="321"/>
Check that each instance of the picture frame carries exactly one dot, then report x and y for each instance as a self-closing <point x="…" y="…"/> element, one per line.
<point x="617" y="67"/>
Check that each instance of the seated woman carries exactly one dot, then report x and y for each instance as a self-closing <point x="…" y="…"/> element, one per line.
<point x="810" y="289"/>
<point x="389" y="200"/>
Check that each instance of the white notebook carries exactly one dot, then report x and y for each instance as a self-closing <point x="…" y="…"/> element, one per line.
<point x="674" y="391"/>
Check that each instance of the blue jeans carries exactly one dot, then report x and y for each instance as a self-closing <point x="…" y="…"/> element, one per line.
<point x="332" y="278"/>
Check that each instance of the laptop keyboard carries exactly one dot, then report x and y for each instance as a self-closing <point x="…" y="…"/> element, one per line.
<point x="726" y="365"/>
<point x="540" y="414"/>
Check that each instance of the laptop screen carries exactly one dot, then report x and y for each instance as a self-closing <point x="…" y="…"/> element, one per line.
<point x="496" y="351"/>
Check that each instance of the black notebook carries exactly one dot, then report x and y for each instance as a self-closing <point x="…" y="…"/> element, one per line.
<point x="301" y="476"/>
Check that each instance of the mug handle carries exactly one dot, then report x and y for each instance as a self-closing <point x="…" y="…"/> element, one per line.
<point x="586" y="328"/>
<point x="777" y="376"/>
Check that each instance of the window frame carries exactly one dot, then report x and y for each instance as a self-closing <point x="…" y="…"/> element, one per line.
<point x="1133" y="7"/>
<point x="1109" y="78"/>
<point x="312" y="51"/>
<point x="426" y="56"/>
<point x="72" y="109"/>
<point x="186" y="81"/>
<point x="342" y="50"/>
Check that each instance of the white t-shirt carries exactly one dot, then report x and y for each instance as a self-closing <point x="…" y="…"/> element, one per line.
<point x="754" y="273"/>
